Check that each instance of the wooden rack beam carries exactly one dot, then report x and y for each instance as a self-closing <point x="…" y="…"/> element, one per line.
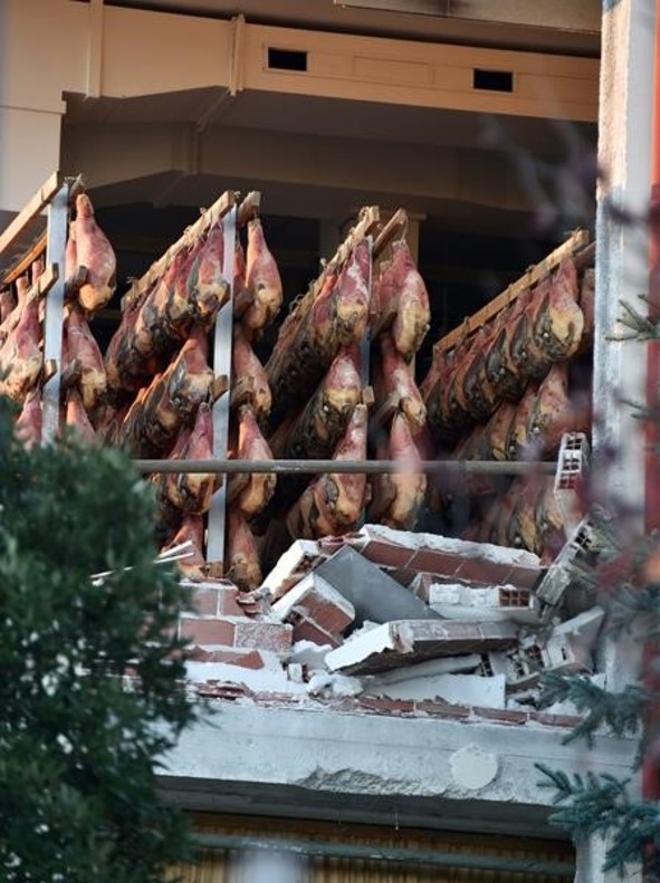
<point x="396" y="226"/>
<point x="34" y="252"/>
<point x="577" y="241"/>
<point x="365" y="226"/>
<point x="210" y="216"/>
<point x="369" y="467"/>
<point x="30" y="211"/>
<point x="249" y="208"/>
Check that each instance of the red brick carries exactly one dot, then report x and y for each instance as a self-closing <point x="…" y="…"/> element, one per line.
<point x="216" y="600"/>
<point x="244" y="658"/>
<point x="443" y="709"/>
<point x="386" y="705"/>
<point x="386" y="554"/>
<point x="217" y="690"/>
<point x="207" y="631"/>
<point x="263" y="635"/>
<point x="555" y="720"/>
<point x="504" y="715"/>
<point x="434" y="561"/>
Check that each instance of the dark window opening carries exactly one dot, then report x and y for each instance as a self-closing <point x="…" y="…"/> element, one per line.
<point x="287" y="60"/>
<point x="494" y="81"/>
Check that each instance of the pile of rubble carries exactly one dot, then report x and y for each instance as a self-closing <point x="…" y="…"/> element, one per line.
<point x="396" y="616"/>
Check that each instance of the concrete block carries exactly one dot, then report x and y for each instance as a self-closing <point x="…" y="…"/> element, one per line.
<point x="374" y="595"/>
<point x="316" y="610"/>
<point x="463" y="689"/>
<point x="406" y="642"/>
<point x="490" y="604"/>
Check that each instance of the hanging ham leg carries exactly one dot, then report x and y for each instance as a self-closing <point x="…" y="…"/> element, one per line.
<point x="497" y="431"/>
<point x="206" y="288"/>
<point x="394" y="383"/>
<point x="192" y="531"/>
<point x="20" y="355"/>
<point x="262" y="280"/>
<point x="403" y="301"/>
<point x="94" y="252"/>
<point x="396" y="498"/>
<point x="518" y="439"/>
<point x="250" y="493"/>
<point x="552" y="413"/>
<point x="242" y="557"/>
<point x="587" y="305"/>
<point x="28" y="425"/>
<point x="77" y="419"/>
<point x="191" y="492"/>
<point x="556" y="319"/>
<point x="7" y="304"/>
<point x="171" y="400"/>
<point x="248" y="370"/>
<point x="79" y="343"/>
<point x="12" y="320"/>
<point x="317" y="430"/>
<point x="333" y="503"/>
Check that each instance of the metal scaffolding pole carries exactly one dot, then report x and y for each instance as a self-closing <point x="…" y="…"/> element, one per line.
<point x="368" y="467"/>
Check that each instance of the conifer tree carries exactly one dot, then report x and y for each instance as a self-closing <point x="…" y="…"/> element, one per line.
<point x="91" y="691"/>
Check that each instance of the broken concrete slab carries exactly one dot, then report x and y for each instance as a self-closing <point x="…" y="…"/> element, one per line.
<point x="298" y="560"/>
<point x="407" y="554"/>
<point x="374" y="595"/>
<point x="316" y="610"/>
<point x="406" y="642"/>
<point x="461" y="689"/>
<point x="492" y="604"/>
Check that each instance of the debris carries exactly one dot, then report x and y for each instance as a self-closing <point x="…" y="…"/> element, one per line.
<point x="316" y="610"/>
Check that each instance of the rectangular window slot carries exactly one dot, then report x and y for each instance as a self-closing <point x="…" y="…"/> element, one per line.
<point x="492" y="81"/>
<point x="287" y="59"/>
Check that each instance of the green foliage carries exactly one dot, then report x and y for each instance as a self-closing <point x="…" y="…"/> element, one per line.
<point x="602" y="805"/>
<point x="91" y="692"/>
<point x="621" y="713"/>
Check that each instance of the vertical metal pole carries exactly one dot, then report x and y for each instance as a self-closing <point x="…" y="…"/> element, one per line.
<point x="222" y="346"/>
<point x="58" y="216"/>
<point x="365" y="347"/>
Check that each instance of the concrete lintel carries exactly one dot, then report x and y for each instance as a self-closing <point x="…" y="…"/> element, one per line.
<point x="328" y="764"/>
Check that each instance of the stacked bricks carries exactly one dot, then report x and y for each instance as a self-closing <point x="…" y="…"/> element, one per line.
<point x="226" y="625"/>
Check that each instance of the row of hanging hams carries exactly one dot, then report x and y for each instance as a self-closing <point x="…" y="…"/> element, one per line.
<point x="506" y="394"/>
<point x="91" y="261"/>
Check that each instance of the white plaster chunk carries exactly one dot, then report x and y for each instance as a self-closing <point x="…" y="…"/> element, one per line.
<point x="458" y="689"/>
<point x="472" y="768"/>
<point x="308" y="653"/>
<point x="260" y="680"/>
<point x="299" y="558"/>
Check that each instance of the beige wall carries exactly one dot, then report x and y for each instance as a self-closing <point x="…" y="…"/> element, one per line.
<point x="110" y="52"/>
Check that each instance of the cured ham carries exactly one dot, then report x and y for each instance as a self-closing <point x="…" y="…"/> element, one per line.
<point x="21" y="359"/>
<point x="262" y="280"/>
<point x="189" y="293"/>
<point x="518" y="438"/>
<point x="170" y="401"/>
<point x="76" y="417"/>
<point x="480" y="395"/>
<point x="323" y="421"/>
<point x="29" y="422"/>
<point x="12" y="319"/>
<point x="191" y="531"/>
<point x="242" y="557"/>
<point x="332" y="314"/>
<point x="556" y="319"/>
<point x="403" y="301"/>
<point x="190" y="492"/>
<point x="332" y="504"/>
<point x="497" y="431"/>
<point x="394" y="382"/>
<point x="397" y="497"/>
<point x="79" y="345"/>
<point x="7" y="304"/>
<point x="94" y="252"/>
<point x="552" y="413"/>
<point x="249" y="371"/>
<point x="250" y="493"/>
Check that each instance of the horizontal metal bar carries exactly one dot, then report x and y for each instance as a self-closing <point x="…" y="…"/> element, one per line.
<point x="392" y="855"/>
<point x="369" y="467"/>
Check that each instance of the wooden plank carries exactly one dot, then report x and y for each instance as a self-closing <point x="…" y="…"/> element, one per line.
<point x="396" y="226"/>
<point x="30" y="211"/>
<point x="218" y="210"/>
<point x="575" y="243"/>
<point x="249" y="208"/>
<point x="35" y="251"/>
